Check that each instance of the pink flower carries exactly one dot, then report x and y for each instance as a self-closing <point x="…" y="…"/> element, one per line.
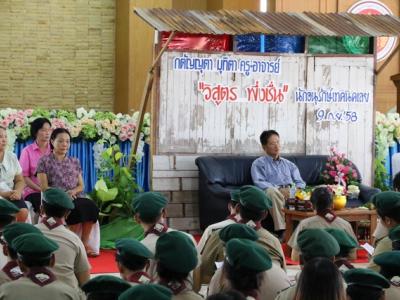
<point x="333" y="173"/>
<point x="345" y="170"/>
<point x="123" y="137"/>
<point x="19" y="122"/>
<point x="4" y="123"/>
<point x="28" y="112"/>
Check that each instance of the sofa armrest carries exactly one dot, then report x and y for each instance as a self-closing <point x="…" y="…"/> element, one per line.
<point x="366" y="193"/>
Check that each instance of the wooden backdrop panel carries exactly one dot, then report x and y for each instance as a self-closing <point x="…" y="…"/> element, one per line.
<point x="188" y="124"/>
<point x="353" y="138"/>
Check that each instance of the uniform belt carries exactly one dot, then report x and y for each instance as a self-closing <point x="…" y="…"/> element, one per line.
<point x="285" y="186"/>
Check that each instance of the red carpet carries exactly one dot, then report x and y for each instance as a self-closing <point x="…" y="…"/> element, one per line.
<point x="104" y="263"/>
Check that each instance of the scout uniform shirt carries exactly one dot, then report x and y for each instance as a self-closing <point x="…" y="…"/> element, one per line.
<point x="139" y="278"/>
<point x="211" y="228"/>
<point x="150" y="241"/>
<point x="382" y="246"/>
<point x="39" y="284"/>
<point x="10" y="272"/>
<point x="71" y="256"/>
<point x="318" y="222"/>
<point x="393" y="292"/>
<point x="214" y="252"/>
<point x="275" y="280"/>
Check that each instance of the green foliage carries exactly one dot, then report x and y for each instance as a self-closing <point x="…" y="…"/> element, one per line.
<point x="40" y="112"/>
<point x="69" y="116"/>
<point x="116" y="187"/>
<point x="104" y="115"/>
<point x="89" y="132"/>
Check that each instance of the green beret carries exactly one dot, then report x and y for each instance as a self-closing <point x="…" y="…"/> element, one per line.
<point x="8" y="208"/>
<point x="366" y="277"/>
<point x="346" y="241"/>
<point x="105" y="284"/>
<point x="14" y="230"/>
<point x="132" y="250"/>
<point x="235" y="195"/>
<point x="238" y="231"/>
<point x="147" y="292"/>
<point x="389" y="260"/>
<point x="253" y="198"/>
<point x="247" y="254"/>
<point x="176" y="251"/>
<point x="149" y="204"/>
<point x="34" y="245"/>
<point x="385" y="202"/>
<point x="315" y="242"/>
<point x="57" y="197"/>
<point x="394" y="233"/>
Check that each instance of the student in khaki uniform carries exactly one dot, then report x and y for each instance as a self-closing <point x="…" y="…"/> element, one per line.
<point x="365" y="284"/>
<point x="274" y="279"/>
<point x="231" y="219"/>
<point x="11" y="271"/>
<point x="7" y="216"/>
<point x="394" y="235"/>
<point x="322" y="201"/>
<point x="313" y="242"/>
<point x="347" y="244"/>
<point x="147" y="292"/>
<point x="389" y="262"/>
<point x="253" y="208"/>
<point x="35" y="257"/>
<point x="320" y="279"/>
<point x="132" y="258"/>
<point x="72" y="266"/>
<point x="105" y="287"/>
<point x="387" y="206"/>
<point x="149" y="211"/>
<point x="176" y="257"/>
<point x="245" y="265"/>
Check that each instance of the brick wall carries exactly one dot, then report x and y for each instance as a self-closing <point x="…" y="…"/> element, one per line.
<point x="176" y="176"/>
<point x="57" y="54"/>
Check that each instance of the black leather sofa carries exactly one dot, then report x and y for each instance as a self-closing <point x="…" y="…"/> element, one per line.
<point x="218" y="175"/>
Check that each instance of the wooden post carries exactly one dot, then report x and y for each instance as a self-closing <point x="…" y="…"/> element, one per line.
<point x="145" y="97"/>
<point x="396" y="80"/>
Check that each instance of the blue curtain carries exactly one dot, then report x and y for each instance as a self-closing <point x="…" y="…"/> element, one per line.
<point x="84" y="151"/>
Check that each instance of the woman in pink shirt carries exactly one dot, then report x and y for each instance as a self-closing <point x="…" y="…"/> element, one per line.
<point x="30" y="155"/>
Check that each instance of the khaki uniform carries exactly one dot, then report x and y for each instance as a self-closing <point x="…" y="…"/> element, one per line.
<point x="392" y="293"/>
<point x="3" y="259"/>
<point x="4" y="278"/>
<point x="13" y="270"/>
<point x="319" y="222"/>
<point x="70" y="257"/>
<point x="209" y="230"/>
<point x="24" y="288"/>
<point x="275" y="280"/>
<point x="287" y="294"/>
<point x="214" y="252"/>
<point x="150" y="242"/>
<point x="383" y="245"/>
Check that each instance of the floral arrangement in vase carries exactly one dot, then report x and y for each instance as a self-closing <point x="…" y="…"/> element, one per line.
<point x="339" y="170"/>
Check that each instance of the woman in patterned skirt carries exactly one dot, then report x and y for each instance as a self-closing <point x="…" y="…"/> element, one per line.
<point x="61" y="171"/>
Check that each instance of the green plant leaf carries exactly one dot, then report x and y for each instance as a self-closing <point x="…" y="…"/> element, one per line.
<point x="101" y="185"/>
<point x="109" y="195"/>
<point x="118" y="156"/>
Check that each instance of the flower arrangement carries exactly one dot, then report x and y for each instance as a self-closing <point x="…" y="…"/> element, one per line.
<point x="88" y="125"/>
<point x="387" y="131"/>
<point x="339" y="170"/>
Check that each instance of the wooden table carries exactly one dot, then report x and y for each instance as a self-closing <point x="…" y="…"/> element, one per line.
<point x="349" y="214"/>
